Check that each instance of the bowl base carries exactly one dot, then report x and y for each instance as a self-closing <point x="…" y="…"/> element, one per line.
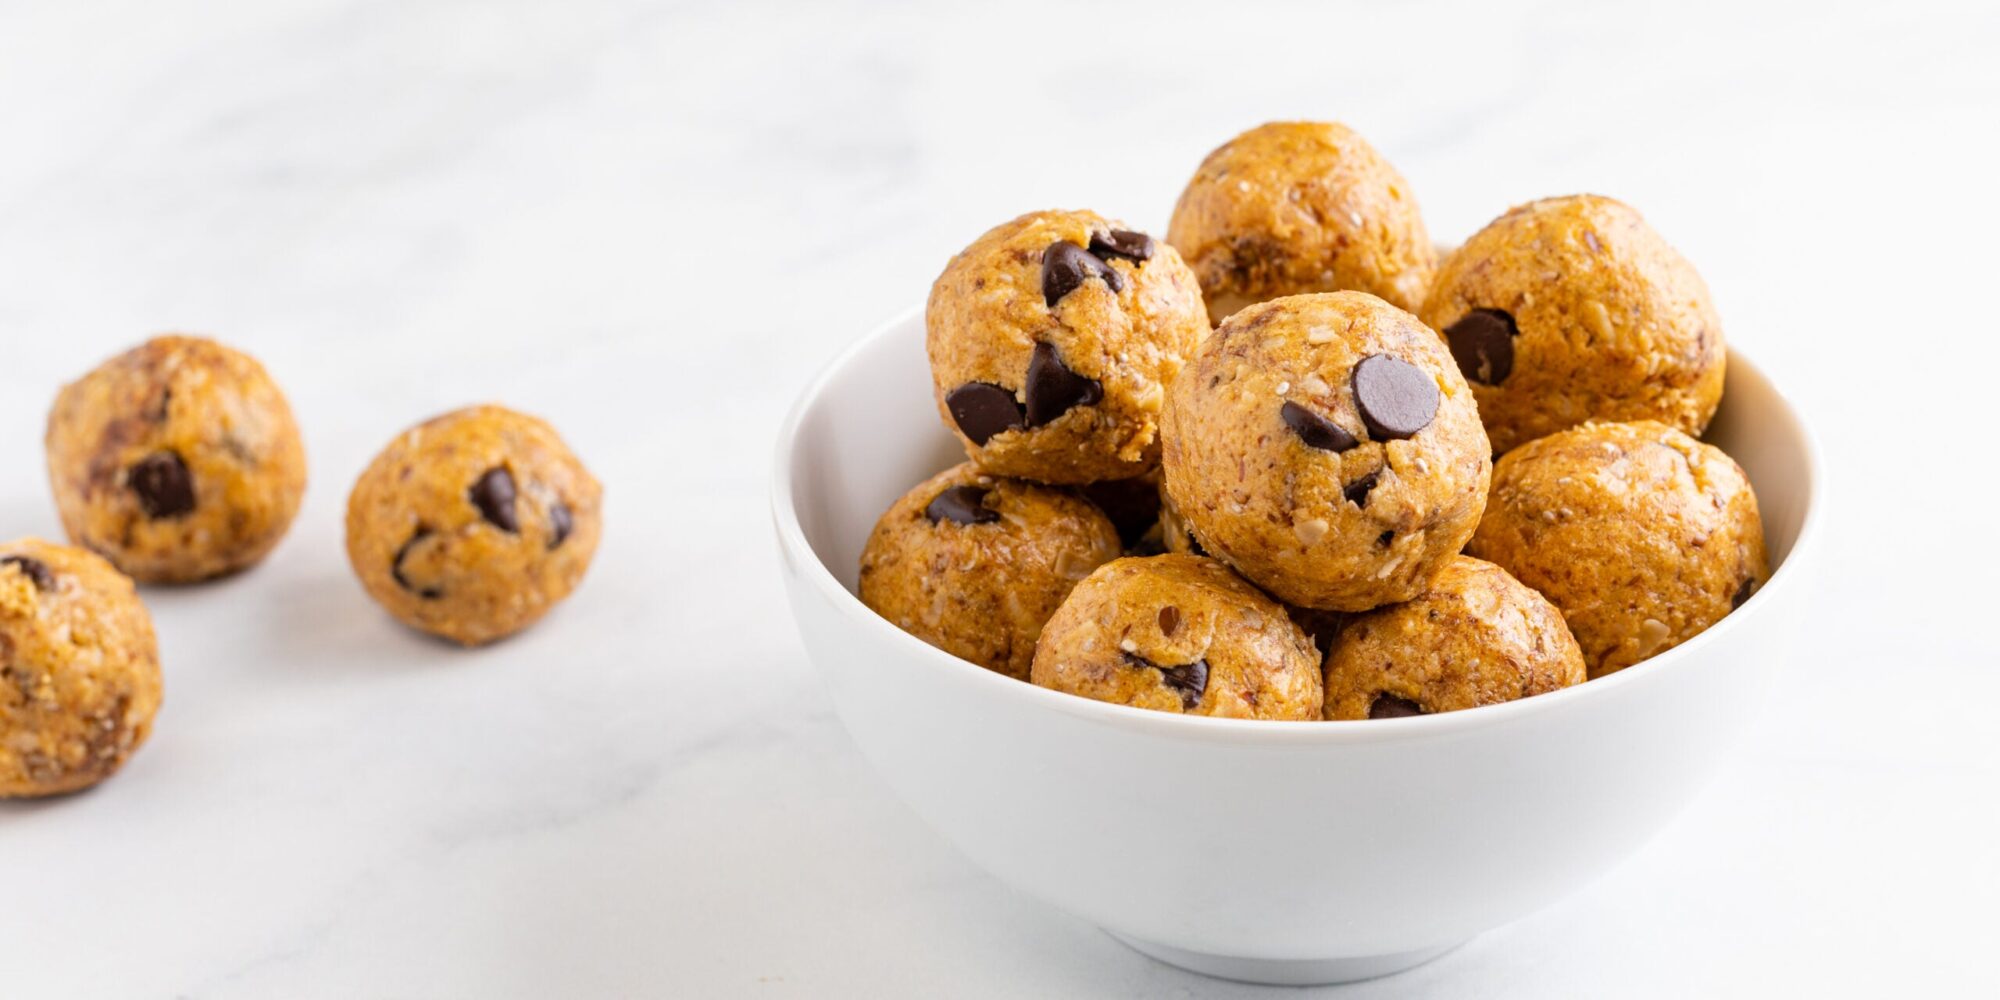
<point x="1283" y="971"/>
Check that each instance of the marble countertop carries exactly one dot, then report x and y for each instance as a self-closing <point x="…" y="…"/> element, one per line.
<point x="652" y="222"/>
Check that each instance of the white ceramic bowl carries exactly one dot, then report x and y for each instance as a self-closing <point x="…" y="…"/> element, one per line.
<point x="1283" y="852"/>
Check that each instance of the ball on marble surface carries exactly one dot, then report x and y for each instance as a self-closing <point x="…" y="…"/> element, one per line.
<point x="474" y="524"/>
<point x="177" y="461"/>
<point x="79" y="669"/>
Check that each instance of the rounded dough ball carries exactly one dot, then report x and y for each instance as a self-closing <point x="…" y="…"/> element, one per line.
<point x="1642" y="535"/>
<point x="1573" y="309"/>
<point x="1293" y="207"/>
<point x="472" y="525"/>
<point x="79" y="669"/>
<point x="1051" y="339"/>
<point x="1179" y="633"/>
<point x="975" y="564"/>
<point x="1327" y="448"/>
<point x="177" y="461"/>
<point x="1475" y="637"/>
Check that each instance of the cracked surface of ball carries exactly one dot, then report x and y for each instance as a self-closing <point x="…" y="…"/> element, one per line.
<point x="178" y="460"/>
<point x="472" y="525"/>
<point x="79" y="669"/>
<point x="1051" y="340"/>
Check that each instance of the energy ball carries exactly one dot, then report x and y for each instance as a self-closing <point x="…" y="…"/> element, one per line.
<point x="975" y="564"/>
<point x="1327" y="448"/>
<point x="1573" y="309"/>
<point x="472" y="525"/>
<point x="1293" y="207"/>
<point x="1642" y="535"/>
<point x="1052" y="339"/>
<point x="79" y="669"/>
<point x="1475" y="637"/>
<point x="1179" y="633"/>
<point x="177" y="461"/>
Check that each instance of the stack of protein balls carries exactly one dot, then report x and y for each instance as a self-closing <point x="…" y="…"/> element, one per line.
<point x="1299" y="515"/>
<point x="179" y="461"/>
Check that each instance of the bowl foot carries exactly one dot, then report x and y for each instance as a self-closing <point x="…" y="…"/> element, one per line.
<point x="1282" y="971"/>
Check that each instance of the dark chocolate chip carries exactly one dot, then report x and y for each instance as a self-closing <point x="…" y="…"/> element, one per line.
<point x="1316" y="431"/>
<point x="961" y="505"/>
<point x="1482" y="342"/>
<point x="1170" y="620"/>
<point x="561" y="523"/>
<point x="1135" y="247"/>
<point x="34" y="569"/>
<point x="396" y="567"/>
<point x="982" y="409"/>
<point x="1396" y="398"/>
<point x="1388" y="706"/>
<point x="1066" y="265"/>
<point x="1053" y="388"/>
<point x="1190" y="679"/>
<point x="1743" y="593"/>
<point x="493" y="494"/>
<point x="1357" y="491"/>
<point x="163" y="484"/>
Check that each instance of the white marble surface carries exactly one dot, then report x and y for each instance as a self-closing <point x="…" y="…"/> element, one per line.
<point x="652" y="222"/>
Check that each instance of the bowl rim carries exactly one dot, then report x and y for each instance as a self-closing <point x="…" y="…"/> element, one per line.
<point x="792" y="539"/>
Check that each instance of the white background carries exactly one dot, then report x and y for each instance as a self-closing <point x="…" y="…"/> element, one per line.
<point x="652" y="222"/>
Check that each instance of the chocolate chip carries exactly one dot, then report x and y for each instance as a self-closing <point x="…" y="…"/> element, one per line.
<point x="1743" y="593"/>
<point x="1482" y="342"/>
<point x="961" y="505"/>
<point x="1066" y="265"/>
<point x="163" y="484"/>
<point x="493" y="494"/>
<point x="1316" y="431"/>
<point x="34" y="569"/>
<point x="1396" y="398"/>
<point x="1170" y="620"/>
<point x="561" y="523"/>
<point x="1053" y="388"/>
<point x="982" y="409"/>
<point x="1388" y="706"/>
<point x="396" y="567"/>
<point x="1190" y="679"/>
<point x="1135" y="247"/>
<point x="1356" y="492"/>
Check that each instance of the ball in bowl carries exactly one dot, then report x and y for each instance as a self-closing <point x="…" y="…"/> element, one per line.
<point x="1327" y="448"/>
<point x="1572" y="309"/>
<point x="1051" y="340"/>
<point x="1294" y="207"/>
